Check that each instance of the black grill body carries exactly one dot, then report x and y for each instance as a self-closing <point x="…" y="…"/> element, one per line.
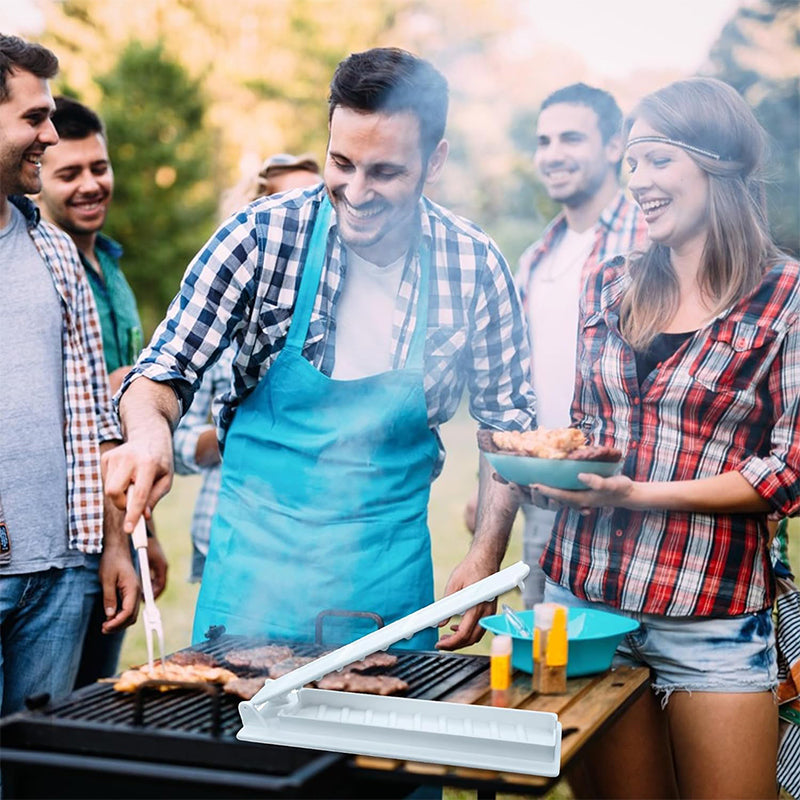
<point x="97" y="742"/>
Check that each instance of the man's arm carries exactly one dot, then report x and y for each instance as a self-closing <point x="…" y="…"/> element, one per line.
<point x="118" y="579"/>
<point x="497" y="507"/>
<point x="149" y="412"/>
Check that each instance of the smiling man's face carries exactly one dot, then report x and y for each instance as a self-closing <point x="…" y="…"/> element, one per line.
<point x="571" y="157"/>
<point x="26" y="131"/>
<point x="77" y="184"/>
<point x="375" y="173"/>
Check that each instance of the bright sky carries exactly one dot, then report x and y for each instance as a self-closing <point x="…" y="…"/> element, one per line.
<point x="619" y="37"/>
<point x="615" y="37"/>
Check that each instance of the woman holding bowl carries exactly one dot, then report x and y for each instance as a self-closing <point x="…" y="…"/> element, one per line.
<point x="688" y="362"/>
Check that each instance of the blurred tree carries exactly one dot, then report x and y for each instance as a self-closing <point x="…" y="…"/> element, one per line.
<point x="165" y="199"/>
<point x="758" y="52"/>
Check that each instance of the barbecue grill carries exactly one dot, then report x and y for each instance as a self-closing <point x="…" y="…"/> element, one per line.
<point x="97" y="742"/>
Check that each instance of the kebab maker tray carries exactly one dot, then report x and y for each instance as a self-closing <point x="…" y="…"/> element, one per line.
<point x="501" y="739"/>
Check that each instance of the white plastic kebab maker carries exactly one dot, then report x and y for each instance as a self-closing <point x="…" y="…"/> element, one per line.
<point x="485" y="737"/>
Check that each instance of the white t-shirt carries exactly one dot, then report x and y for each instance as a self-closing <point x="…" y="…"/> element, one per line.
<point x="553" y="296"/>
<point x="364" y="318"/>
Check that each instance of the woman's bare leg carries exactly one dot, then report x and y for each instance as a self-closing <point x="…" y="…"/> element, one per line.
<point x="630" y="760"/>
<point x="724" y="745"/>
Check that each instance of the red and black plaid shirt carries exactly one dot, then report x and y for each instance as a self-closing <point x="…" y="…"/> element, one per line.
<point x="727" y="400"/>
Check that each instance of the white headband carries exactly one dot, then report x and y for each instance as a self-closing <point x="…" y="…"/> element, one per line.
<point x="677" y="143"/>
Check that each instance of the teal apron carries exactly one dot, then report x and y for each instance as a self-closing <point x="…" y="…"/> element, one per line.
<point x="324" y="495"/>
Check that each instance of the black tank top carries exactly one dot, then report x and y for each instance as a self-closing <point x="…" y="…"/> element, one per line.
<point x="660" y="349"/>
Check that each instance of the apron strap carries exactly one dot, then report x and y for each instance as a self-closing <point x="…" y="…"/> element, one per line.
<point x="309" y="281"/>
<point x="416" y="350"/>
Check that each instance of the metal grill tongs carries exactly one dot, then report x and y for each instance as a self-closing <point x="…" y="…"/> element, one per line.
<point x="151" y="616"/>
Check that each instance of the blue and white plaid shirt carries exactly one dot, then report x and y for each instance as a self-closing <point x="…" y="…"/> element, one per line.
<point x="196" y="421"/>
<point x="240" y="291"/>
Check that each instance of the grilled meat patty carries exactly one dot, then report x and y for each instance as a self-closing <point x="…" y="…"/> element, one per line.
<point x="364" y="684"/>
<point x="260" y="658"/>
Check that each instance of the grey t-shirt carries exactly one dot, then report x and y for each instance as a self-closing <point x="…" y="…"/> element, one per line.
<point x="33" y="470"/>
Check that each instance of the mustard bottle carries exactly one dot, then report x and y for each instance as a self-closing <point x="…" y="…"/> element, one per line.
<point x="554" y="663"/>
<point x="500" y="670"/>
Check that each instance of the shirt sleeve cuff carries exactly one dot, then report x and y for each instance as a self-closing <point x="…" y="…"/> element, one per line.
<point x="178" y="384"/>
<point x="774" y="482"/>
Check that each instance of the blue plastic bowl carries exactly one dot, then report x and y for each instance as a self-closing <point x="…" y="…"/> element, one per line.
<point x="560" y="473"/>
<point x="592" y="637"/>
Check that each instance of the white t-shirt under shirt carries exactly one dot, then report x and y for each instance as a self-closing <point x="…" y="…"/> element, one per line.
<point x="364" y="318"/>
<point x="553" y="296"/>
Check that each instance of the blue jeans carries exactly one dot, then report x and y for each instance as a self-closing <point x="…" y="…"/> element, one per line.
<point x="43" y="619"/>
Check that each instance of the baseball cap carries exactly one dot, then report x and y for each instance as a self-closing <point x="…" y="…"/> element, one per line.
<point x="283" y="162"/>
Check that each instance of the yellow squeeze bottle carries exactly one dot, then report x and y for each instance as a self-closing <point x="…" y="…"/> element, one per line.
<point x="542" y="625"/>
<point x="500" y="670"/>
<point x="554" y="671"/>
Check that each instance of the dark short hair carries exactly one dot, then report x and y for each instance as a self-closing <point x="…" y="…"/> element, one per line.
<point x="609" y="116"/>
<point x="16" y="54"/>
<point x="390" y="80"/>
<point x="73" y="120"/>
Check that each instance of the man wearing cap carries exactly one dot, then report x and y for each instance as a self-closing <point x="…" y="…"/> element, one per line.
<point x="195" y="439"/>
<point x="358" y="313"/>
<point x="278" y="173"/>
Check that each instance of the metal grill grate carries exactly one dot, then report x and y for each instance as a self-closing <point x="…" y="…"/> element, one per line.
<point x="178" y="726"/>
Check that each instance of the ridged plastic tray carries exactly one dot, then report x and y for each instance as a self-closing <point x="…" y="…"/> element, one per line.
<point x="485" y="737"/>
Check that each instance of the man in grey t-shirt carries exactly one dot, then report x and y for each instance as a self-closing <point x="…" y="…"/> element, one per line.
<point x="55" y="419"/>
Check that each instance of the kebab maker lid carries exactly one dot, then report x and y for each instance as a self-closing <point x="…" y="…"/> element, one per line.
<point x="502" y="739"/>
<point x="275" y="691"/>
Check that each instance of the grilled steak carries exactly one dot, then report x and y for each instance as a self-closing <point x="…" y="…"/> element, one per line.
<point x="375" y="660"/>
<point x="596" y="452"/>
<point x="245" y="688"/>
<point x="289" y="665"/>
<point x="260" y="658"/>
<point x="364" y="684"/>
<point x="186" y="658"/>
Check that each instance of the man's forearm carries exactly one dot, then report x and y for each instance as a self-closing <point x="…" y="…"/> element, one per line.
<point x="146" y="403"/>
<point x="497" y="508"/>
<point x="113" y="533"/>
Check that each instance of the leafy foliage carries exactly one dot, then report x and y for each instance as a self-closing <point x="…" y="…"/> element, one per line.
<point x="758" y="54"/>
<point x="163" y="158"/>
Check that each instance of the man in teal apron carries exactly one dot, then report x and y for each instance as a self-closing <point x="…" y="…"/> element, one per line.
<point x="358" y="311"/>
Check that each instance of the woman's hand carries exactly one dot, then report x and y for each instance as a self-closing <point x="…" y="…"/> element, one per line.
<point x="613" y="492"/>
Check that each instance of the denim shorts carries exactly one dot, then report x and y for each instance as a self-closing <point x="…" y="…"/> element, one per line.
<point x="694" y="654"/>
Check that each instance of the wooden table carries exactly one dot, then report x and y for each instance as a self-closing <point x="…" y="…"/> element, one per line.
<point x="589" y="706"/>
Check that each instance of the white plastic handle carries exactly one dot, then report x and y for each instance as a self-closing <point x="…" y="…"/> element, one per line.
<point x="139" y="534"/>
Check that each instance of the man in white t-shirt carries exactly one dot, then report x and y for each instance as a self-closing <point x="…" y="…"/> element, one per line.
<point x="578" y="157"/>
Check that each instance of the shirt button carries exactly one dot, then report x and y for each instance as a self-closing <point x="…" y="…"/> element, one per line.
<point x="636" y="401"/>
<point x="618" y="532"/>
<point x="741" y="343"/>
<point x="634" y="445"/>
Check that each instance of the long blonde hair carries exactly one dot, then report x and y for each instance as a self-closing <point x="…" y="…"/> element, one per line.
<point x="710" y="115"/>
